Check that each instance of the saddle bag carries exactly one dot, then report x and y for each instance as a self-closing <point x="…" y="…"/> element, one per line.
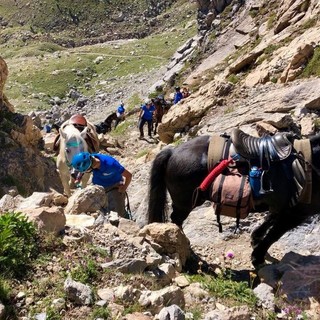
<point x="232" y="196"/>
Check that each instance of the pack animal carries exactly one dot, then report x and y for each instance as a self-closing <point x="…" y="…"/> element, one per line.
<point x="182" y="169"/>
<point x="107" y="125"/>
<point x="162" y="107"/>
<point x="71" y="142"/>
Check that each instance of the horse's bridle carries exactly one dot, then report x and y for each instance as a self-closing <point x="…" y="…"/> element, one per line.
<point x="70" y="145"/>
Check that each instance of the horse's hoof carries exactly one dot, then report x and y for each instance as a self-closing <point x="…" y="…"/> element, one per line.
<point x="258" y="263"/>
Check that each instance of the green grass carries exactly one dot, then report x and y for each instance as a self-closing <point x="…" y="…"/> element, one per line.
<point x="39" y="72"/>
<point x="228" y="291"/>
<point x="133" y="102"/>
<point x="313" y="66"/>
<point x="142" y="153"/>
<point x="101" y="313"/>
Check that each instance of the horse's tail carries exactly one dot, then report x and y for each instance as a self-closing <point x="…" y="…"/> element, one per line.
<point x="158" y="188"/>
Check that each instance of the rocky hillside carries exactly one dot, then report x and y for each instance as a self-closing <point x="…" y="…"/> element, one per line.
<point x="253" y="65"/>
<point x="72" y="24"/>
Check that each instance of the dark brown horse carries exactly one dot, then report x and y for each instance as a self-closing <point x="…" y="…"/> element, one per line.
<point x="182" y="169"/>
<point x="162" y="107"/>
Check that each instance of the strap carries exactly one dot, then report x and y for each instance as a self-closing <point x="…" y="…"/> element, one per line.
<point x="218" y="211"/>
<point x="128" y="209"/>
<point x="218" y="207"/>
<point x="215" y="150"/>
<point x="243" y="180"/>
<point x="226" y="149"/>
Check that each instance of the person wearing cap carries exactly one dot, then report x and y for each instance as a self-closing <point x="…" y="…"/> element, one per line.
<point x="177" y="96"/>
<point x="108" y="173"/>
<point x="146" y="116"/>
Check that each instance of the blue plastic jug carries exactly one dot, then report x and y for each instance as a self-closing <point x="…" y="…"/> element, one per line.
<point x="255" y="181"/>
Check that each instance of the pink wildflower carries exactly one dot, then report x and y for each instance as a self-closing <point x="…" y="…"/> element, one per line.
<point x="230" y="255"/>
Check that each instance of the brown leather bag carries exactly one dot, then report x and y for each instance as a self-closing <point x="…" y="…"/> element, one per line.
<point x="231" y="194"/>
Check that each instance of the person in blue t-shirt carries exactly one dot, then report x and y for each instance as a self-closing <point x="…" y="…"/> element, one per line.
<point x="108" y="173"/>
<point x="120" y="114"/>
<point x="146" y="115"/>
<point x="177" y="96"/>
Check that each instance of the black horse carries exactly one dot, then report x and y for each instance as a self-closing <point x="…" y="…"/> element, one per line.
<point x="107" y="125"/>
<point x="182" y="169"/>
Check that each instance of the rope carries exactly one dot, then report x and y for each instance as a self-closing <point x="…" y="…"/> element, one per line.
<point x="128" y="209"/>
<point x="214" y="173"/>
<point x="127" y="206"/>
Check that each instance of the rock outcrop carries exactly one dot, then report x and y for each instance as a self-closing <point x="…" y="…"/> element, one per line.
<point x="20" y="145"/>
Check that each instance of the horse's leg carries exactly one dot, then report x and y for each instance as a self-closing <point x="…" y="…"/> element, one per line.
<point x="64" y="176"/>
<point x="178" y="215"/>
<point x="261" y="230"/>
<point x="283" y="222"/>
<point x="155" y="127"/>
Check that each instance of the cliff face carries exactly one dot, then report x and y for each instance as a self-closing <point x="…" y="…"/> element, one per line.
<point x="22" y="164"/>
<point x="257" y="71"/>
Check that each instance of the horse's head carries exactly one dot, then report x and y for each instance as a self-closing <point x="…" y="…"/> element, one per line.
<point x="72" y="142"/>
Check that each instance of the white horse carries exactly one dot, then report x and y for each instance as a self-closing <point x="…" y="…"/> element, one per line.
<point x="72" y="142"/>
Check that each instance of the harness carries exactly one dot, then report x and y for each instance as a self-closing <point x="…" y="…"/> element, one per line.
<point x="71" y="145"/>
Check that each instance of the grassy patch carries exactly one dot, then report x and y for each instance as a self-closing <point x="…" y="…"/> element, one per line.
<point x="101" y="313"/>
<point x="309" y="23"/>
<point x="230" y="292"/>
<point x="313" y="66"/>
<point x="133" y="102"/>
<point x="142" y="153"/>
<point x="233" y="78"/>
<point x="196" y="313"/>
<point x="271" y="21"/>
<point x="29" y="87"/>
<point x="122" y="128"/>
<point x="85" y="272"/>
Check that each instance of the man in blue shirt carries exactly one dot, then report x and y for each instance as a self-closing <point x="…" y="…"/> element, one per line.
<point x="177" y="96"/>
<point x="120" y="114"/>
<point x="146" y="115"/>
<point x="108" y="173"/>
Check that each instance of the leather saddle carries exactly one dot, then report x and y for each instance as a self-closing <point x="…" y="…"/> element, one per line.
<point x="270" y="148"/>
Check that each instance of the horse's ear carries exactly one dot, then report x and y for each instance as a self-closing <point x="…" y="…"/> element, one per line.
<point x="84" y="132"/>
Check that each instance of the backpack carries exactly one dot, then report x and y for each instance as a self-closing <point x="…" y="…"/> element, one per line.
<point x="232" y="196"/>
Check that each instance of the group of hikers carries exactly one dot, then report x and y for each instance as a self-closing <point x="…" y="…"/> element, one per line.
<point x="152" y="111"/>
<point x="109" y="172"/>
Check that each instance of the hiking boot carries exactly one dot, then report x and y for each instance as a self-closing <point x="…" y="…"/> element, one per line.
<point x="141" y="137"/>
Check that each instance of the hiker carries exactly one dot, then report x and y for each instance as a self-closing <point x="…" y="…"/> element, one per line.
<point x="120" y="114"/>
<point x="146" y="115"/>
<point x="177" y="96"/>
<point x="108" y="173"/>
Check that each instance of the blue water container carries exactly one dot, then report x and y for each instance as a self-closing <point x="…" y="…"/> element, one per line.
<point x="255" y="181"/>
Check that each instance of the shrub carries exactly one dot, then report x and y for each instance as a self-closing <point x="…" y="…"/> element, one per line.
<point x="101" y="313"/>
<point x="17" y="242"/>
<point x="313" y="66"/>
<point x="85" y="272"/>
